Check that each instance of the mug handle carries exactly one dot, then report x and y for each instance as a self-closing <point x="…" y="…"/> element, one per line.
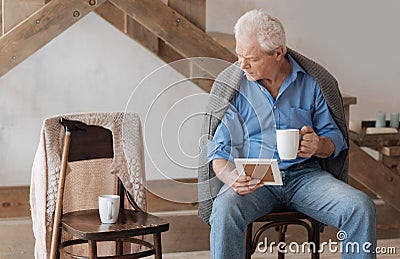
<point x="109" y="210"/>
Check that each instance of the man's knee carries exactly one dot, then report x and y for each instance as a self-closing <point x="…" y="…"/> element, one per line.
<point x="363" y="205"/>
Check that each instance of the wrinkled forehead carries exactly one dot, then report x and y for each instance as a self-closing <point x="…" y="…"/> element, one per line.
<point x="248" y="47"/>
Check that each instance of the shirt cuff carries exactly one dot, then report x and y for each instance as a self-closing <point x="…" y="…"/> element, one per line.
<point x="338" y="141"/>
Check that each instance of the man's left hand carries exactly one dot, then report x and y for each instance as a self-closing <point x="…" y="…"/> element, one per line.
<point x="309" y="142"/>
<point x="313" y="145"/>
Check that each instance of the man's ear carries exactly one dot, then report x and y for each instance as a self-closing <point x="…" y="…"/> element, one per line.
<point x="279" y="53"/>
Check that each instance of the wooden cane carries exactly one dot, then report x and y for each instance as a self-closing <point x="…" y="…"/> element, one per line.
<point x="59" y="203"/>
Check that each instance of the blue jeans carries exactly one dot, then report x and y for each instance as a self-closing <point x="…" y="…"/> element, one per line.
<point x="307" y="189"/>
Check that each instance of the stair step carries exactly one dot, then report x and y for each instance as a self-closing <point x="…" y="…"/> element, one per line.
<point x="18" y="242"/>
<point x="225" y="39"/>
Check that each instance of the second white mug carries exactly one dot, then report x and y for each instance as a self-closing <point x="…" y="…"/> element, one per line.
<point x="287" y="141"/>
<point x="109" y="208"/>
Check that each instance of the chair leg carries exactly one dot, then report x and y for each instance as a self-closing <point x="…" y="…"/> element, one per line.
<point x="58" y="246"/>
<point x="92" y="249"/>
<point x="281" y="238"/>
<point x="119" y="249"/>
<point x="315" y="238"/>
<point x="248" y="251"/>
<point x="157" y="245"/>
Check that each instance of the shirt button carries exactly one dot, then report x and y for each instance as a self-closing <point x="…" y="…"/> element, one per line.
<point x="274" y="107"/>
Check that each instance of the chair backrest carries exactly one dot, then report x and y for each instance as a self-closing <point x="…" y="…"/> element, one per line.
<point x="90" y="157"/>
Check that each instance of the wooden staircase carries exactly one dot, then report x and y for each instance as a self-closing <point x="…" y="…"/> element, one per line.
<point x="381" y="175"/>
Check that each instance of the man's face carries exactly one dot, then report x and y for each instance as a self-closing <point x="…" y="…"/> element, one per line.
<point x="253" y="61"/>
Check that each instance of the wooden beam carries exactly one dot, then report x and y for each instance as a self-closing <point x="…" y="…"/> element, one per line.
<point x="16" y="11"/>
<point x="113" y="15"/>
<point x="142" y="35"/>
<point x="375" y="176"/>
<point x="39" y="29"/>
<point x="167" y="24"/>
<point x="193" y="10"/>
<point x="167" y="53"/>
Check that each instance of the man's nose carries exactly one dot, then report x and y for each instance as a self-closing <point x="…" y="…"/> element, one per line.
<point x="243" y="63"/>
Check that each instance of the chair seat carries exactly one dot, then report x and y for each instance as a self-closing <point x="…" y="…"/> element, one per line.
<point x="86" y="225"/>
<point x="282" y="216"/>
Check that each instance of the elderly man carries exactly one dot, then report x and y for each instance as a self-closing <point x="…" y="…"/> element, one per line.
<point x="277" y="88"/>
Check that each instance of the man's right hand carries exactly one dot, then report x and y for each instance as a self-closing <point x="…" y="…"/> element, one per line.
<point x="227" y="173"/>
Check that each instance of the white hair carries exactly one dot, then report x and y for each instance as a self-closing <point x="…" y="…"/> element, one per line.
<point x="267" y="29"/>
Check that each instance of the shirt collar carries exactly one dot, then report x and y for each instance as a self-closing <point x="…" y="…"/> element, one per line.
<point x="296" y="68"/>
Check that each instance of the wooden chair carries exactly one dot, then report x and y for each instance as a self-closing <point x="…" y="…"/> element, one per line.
<point x="95" y="143"/>
<point x="280" y="221"/>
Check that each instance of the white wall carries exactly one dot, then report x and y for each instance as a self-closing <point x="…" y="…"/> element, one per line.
<point x="356" y="40"/>
<point x="92" y="66"/>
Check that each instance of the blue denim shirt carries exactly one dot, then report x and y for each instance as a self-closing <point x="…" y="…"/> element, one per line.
<point x="248" y="128"/>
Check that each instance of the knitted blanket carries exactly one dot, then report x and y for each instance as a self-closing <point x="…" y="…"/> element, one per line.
<point x="224" y="89"/>
<point x="128" y="164"/>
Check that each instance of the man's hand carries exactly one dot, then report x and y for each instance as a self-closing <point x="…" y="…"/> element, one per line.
<point x="312" y="145"/>
<point x="244" y="184"/>
<point x="227" y="173"/>
<point x="309" y="142"/>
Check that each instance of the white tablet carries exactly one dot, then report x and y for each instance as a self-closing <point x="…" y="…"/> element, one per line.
<point x="260" y="168"/>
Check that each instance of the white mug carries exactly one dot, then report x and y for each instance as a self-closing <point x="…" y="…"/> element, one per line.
<point x="109" y="208"/>
<point x="287" y="141"/>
